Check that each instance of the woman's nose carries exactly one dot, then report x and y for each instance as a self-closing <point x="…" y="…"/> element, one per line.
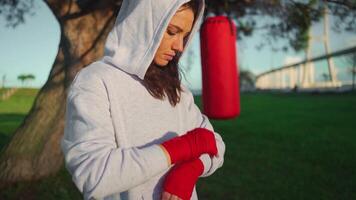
<point x="178" y="44"/>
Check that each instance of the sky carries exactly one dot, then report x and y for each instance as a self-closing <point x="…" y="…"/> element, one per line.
<point x="31" y="48"/>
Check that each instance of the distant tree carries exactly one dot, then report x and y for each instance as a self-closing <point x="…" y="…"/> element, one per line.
<point x="3" y="81"/>
<point x="247" y="79"/>
<point x="351" y="59"/>
<point x="22" y="78"/>
<point x="30" y="77"/>
<point x="326" y="77"/>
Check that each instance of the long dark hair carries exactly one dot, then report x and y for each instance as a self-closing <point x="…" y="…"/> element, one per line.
<point x="165" y="81"/>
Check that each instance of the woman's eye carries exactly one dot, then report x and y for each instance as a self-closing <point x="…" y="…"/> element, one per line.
<point x="170" y="33"/>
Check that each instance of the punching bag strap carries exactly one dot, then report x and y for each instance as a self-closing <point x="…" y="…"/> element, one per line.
<point x="228" y="12"/>
<point x="231" y="26"/>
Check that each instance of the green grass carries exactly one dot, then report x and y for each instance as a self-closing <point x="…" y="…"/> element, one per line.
<point x="282" y="146"/>
<point x="287" y="146"/>
<point x="13" y="111"/>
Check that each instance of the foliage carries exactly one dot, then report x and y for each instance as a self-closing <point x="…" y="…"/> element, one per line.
<point x="351" y="59"/>
<point x="247" y="78"/>
<point x="24" y="77"/>
<point x="16" y="11"/>
<point x="291" y="18"/>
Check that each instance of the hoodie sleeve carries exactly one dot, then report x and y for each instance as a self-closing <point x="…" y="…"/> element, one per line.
<point x="98" y="166"/>
<point x="211" y="164"/>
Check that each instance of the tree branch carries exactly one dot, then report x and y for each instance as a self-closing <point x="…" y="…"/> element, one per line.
<point x="55" y="6"/>
<point x="345" y="3"/>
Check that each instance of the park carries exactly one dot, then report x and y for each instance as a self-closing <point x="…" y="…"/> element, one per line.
<point x="292" y="137"/>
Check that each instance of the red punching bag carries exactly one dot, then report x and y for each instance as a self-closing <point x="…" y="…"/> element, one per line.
<point x="220" y="91"/>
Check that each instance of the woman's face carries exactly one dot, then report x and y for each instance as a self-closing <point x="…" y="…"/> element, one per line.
<point x="172" y="42"/>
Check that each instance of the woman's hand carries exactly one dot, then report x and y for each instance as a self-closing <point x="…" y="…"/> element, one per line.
<point x="190" y="145"/>
<point x="169" y="196"/>
<point x="181" y="179"/>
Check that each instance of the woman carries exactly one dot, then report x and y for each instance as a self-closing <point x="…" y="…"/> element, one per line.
<point x="132" y="129"/>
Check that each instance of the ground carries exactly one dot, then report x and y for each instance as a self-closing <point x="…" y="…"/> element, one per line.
<point x="282" y="146"/>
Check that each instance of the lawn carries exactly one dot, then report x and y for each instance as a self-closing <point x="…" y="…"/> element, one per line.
<point x="282" y="146"/>
<point x="13" y="111"/>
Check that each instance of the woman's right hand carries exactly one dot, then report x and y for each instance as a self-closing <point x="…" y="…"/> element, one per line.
<point x="169" y="196"/>
<point x="181" y="179"/>
<point x="191" y="145"/>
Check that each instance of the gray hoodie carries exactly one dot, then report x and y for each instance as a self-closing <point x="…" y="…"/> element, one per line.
<point x="113" y="125"/>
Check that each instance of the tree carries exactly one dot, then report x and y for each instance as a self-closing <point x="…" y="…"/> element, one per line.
<point x="326" y="77"/>
<point x="3" y="81"/>
<point x="33" y="151"/>
<point x="351" y="59"/>
<point x="24" y="77"/>
<point x="247" y="80"/>
<point x="30" y="77"/>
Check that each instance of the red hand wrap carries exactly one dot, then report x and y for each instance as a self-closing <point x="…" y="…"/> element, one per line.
<point x="182" y="177"/>
<point x="191" y="145"/>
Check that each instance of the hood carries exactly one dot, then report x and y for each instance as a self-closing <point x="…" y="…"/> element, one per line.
<point x="138" y="31"/>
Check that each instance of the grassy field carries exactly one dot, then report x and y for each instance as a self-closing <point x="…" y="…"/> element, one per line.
<point x="282" y="146"/>
<point x="13" y="111"/>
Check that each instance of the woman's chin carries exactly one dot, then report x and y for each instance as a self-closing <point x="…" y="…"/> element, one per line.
<point x="161" y="63"/>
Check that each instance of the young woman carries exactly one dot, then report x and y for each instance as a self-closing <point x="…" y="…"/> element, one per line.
<point x="132" y="128"/>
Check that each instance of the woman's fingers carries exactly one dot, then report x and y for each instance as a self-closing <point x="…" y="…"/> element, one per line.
<point x="174" y="197"/>
<point x="169" y="196"/>
<point x="166" y="196"/>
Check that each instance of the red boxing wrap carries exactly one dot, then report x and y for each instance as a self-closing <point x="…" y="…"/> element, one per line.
<point x="182" y="177"/>
<point x="191" y="145"/>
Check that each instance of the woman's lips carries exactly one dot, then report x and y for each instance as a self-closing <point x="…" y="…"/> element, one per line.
<point x="169" y="57"/>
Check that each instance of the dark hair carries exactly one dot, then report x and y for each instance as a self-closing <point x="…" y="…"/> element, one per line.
<point x="165" y="81"/>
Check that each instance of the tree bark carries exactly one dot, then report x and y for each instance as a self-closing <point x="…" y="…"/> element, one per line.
<point x="34" y="150"/>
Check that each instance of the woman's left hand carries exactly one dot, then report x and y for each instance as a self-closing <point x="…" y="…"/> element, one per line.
<point x="169" y="196"/>
<point x="181" y="179"/>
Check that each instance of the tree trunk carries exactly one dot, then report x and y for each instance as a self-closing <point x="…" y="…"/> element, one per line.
<point x="34" y="150"/>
